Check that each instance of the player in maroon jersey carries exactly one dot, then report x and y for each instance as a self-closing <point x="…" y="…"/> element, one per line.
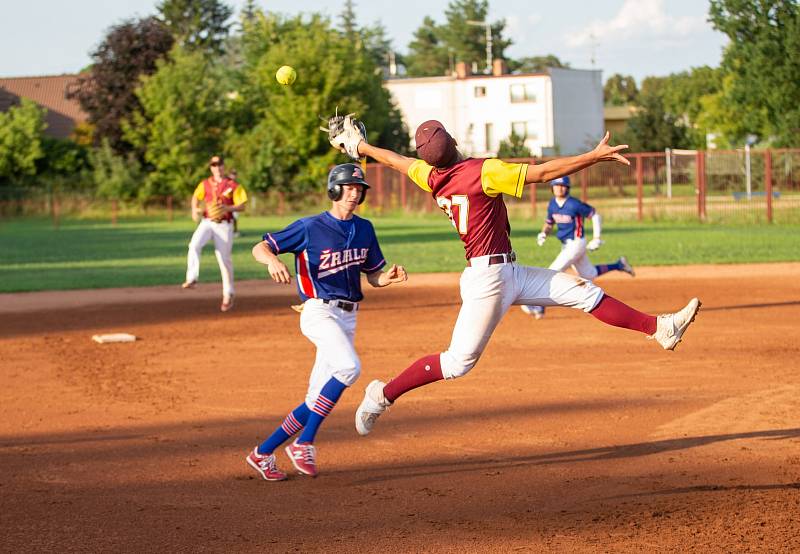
<point x="469" y="191"/>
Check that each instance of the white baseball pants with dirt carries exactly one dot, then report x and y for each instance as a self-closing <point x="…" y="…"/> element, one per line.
<point x="332" y="330"/>
<point x="488" y="291"/>
<point x="222" y="233"/>
<point x="573" y="254"/>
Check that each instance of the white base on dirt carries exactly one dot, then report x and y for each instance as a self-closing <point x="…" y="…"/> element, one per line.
<point x="114" y="337"/>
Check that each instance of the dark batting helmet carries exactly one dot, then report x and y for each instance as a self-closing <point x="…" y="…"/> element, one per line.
<point x="564" y="181"/>
<point x="346" y="174"/>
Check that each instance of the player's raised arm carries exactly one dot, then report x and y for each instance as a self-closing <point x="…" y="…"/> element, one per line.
<point x="559" y="167"/>
<point x="386" y="157"/>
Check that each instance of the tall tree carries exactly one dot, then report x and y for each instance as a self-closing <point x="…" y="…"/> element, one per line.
<point x="467" y="40"/>
<point x="620" y="90"/>
<point x="653" y="129"/>
<point x="181" y="123"/>
<point x="762" y="67"/>
<point x="106" y="92"/>
<point x="535" y="64"/>
<point x="197" y="24"/>
<point x="427" y="54"/>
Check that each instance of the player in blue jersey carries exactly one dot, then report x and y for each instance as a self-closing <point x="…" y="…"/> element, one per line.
<point x="570" y="214"/>
<point x="331" y="251"/>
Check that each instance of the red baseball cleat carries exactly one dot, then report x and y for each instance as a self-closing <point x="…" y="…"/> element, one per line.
<point x="265" y="465"/>
<point x="303" y="457"/>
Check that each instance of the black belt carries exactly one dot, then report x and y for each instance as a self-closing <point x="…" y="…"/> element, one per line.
<point x="343" y="304"/>
<point x="495" y="259"/>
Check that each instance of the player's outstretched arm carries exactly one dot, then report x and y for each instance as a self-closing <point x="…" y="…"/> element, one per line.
<point x="559" y="167"/>
<point x="277" y="269"/>
<point x="380" y="278"/>
<point x="386" y="157"/>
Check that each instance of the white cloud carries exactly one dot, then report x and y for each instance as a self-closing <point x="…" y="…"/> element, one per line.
<point x="637" y="19"/>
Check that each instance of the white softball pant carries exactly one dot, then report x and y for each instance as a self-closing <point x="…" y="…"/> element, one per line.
<point x="487" y="292"/>
<point x="222" y="233"/>
<point x="332" y="330"/>
<point x="573" y="254"/>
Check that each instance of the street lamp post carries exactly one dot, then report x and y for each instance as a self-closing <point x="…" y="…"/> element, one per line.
<point x="488" y="27"/>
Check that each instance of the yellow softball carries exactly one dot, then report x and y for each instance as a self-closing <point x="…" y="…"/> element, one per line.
<point x="286" y="75"/>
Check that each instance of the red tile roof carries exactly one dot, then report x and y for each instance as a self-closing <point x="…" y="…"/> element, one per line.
<point x="49" y="92"/>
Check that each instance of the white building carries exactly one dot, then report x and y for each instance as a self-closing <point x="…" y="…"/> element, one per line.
<point x="558" y="112"/>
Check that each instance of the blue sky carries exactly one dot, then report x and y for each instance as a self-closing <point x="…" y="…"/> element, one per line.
<point x="632" y="37"/>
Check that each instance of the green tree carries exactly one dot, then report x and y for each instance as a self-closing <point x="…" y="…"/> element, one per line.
<point x="762" y="68"/>
<point x="653" y="129"/>
<point x="468" y="41"/>
<point x="427" y="54"/>
<point x="274" y="139"/>
<point x="181" y="123"/>
<point x="198" y="24"/>
<point x="106" y="92"/>
<point x="115" y="176"/>
<point x="620" y="90"/>
<point x="535" y="64"/>
<point x="21" y="129"/>
<point x="513" y="147"/>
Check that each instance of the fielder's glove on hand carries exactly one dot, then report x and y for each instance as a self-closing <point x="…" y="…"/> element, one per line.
<point x="594" y="244"/>
<point x="345" y="132"/>
<point x="216" y="212"/>
<point x="540" y="238"/>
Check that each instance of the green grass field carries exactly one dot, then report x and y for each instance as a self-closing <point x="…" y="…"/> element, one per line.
<point x="83" y="254"/>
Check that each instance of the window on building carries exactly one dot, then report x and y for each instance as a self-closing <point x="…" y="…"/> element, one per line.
<point x="524" y="129"/>
<point x="522" y="93"/>
<point x="480" y="92"/>
<point x="489" y="135"/>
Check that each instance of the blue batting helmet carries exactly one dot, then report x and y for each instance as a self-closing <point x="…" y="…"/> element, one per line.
<point x="564" y="181"/>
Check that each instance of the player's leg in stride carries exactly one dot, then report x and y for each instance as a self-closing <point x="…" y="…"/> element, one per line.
<point x="262" y="458"/>
<point x="620" y="265"/>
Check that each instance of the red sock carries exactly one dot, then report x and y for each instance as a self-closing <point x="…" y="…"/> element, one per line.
<point x="613" y="312"/>
<point x="425" y="370"/>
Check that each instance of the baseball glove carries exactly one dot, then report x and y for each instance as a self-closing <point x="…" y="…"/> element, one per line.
<point x="216" y="212"/>
<point x="345" y="132"/>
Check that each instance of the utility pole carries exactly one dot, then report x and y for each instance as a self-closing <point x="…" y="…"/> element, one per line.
<point x="488" y="27"/>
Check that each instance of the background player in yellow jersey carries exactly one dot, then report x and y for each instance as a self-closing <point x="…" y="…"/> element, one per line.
<point x="222" y="197"/>
<point x="469" y="191"/>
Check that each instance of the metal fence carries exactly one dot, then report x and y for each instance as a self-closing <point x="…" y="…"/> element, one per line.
<point x="738" y="185"/>
<point x="746" y="186"/>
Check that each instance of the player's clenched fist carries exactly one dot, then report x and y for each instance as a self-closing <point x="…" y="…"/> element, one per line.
<point x="279" y="272"/>
<point x="395" y="274"/>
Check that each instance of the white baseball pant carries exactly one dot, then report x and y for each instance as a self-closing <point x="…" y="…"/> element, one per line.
<point x="222" y="233"/>
<point x="332" y="330"/>
<point x="487" y="292"/>
<point x="573" y="254"/>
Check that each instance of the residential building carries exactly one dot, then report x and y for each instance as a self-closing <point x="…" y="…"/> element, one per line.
<point x="557" y="112"/>
<point x="50" y="93"/>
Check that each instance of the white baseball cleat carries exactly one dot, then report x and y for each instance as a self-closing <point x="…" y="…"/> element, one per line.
<point x="671" y="327"/>
<point x="626" y="267"/>
<point x="370" y="409"/>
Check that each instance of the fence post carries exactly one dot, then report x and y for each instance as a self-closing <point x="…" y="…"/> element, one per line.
<point x="584" y="179"/>
<point x="533" y="198"/>
<point x="639" y="185"/>
<point x="403" y="198"/>
<point x="379" y="192"/>
<point x="169" y="208"/>
<point x="768" y="182"/>
<point x="114" y="212"/>
<point x="700" y="176"/>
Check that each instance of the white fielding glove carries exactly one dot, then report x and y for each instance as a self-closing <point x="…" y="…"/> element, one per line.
<point x="594" y="244"/>
<point x="540" y="238"/>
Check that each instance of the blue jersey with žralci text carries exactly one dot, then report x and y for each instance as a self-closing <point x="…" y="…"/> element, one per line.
<point x="330" y="255"/>
<point x="569" y="218"/>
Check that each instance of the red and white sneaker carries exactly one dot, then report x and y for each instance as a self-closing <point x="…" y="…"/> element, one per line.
<point x="303" y="457"/>
<point x="265" y="465"/>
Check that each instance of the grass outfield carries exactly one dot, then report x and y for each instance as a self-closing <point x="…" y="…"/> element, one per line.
<point x="139" y="252"/>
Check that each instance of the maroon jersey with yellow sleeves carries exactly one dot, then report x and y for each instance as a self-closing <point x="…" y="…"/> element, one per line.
<point x="470" y="194"/>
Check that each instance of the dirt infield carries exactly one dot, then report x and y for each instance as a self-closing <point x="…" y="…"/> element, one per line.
<point x="567" y="436"/>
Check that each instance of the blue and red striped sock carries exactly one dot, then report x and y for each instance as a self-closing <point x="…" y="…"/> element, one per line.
<point x="616" y="266"/>
<point x="327" y="399"/>
<point x="295" y="421"/>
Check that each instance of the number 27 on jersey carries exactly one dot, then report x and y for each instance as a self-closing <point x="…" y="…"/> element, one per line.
<point x="457" y="209"/>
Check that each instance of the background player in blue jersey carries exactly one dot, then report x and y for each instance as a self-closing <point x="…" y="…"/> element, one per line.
<point x="331" y="251"/>
<point x="570" y="214"/>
